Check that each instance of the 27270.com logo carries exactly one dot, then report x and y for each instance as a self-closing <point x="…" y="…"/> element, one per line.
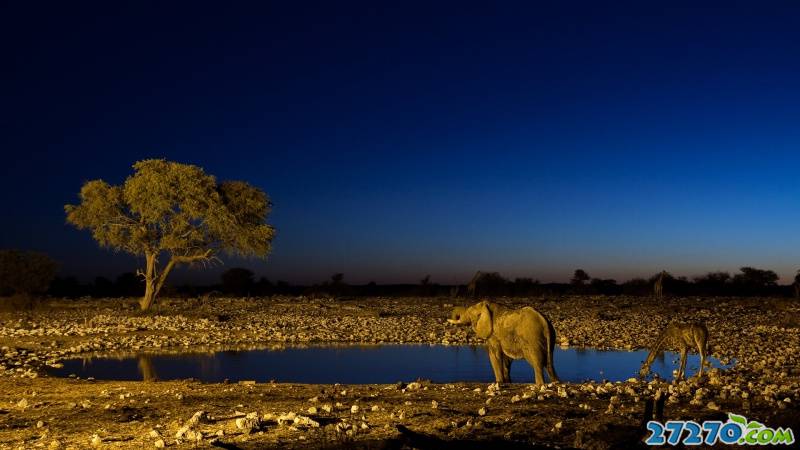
<point x="736" y="430"/>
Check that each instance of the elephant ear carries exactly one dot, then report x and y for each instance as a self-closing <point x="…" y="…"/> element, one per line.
<point x="483" y="324"/>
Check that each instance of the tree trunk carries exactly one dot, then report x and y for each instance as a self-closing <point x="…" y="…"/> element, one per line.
<point x="149" y="296"/>
<point x="154" y="281"/>
<point x="150" y="290"/>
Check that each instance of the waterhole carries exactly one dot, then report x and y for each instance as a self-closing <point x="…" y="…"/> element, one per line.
<point x="357" y="364"/>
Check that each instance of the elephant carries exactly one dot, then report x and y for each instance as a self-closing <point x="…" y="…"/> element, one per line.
<point x="511" y="334"/>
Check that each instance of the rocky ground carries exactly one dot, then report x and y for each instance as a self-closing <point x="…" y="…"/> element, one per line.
<point x="37" y="411"/>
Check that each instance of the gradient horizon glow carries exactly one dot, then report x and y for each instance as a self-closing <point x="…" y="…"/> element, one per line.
<point x="398" y="141"/>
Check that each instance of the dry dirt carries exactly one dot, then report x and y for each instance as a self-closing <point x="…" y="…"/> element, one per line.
<point x="37" y="411"/>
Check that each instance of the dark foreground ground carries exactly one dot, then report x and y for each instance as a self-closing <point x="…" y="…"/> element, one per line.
<point x="37" y="411"/>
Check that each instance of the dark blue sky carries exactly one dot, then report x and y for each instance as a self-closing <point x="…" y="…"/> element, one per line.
<point x="397" y="141"/>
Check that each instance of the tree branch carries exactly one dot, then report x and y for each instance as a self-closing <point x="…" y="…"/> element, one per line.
<point x="191" y="258"/>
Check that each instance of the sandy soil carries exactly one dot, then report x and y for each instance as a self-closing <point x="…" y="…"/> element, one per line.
<point x="37" y="411"/>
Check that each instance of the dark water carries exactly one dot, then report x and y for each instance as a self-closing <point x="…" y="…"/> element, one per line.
<point x="357" y="364"/>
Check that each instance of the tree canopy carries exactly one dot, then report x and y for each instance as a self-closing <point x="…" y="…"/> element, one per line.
<point x="579" y="277"/>
<point x="751" y="276"/>
<point x="177" y="210"/>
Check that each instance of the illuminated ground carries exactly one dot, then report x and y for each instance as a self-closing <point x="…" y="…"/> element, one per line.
<point x="762" y="334"/>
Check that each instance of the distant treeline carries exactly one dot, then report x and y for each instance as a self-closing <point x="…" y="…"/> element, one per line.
<point x="242" y="282"/>
<point x="30" y="274"/>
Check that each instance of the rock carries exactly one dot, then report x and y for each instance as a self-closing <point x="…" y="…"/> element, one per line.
<point x="434" y="404"/>
<point x="482" y="412"/>
<point x="193" y="436"/>
<point x="22" y="404"/>
<point x="304" y="421"/>
<point x="712" y="406"/>
<point x="39" y="424"/>
<point x="198" y="417"/>
<point x="249" y="423"/>
<point x="287" y="418"/>
<point x="95" y="440"/>
<point x="312" y="410"/>
<point x="354" y="409"/>
<point x="160" y="443"/>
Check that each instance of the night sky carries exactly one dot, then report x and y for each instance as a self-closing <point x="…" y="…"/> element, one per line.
<point x="422" y="138"/>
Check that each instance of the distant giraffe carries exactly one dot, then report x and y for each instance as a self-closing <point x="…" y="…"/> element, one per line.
<point x="473" y="284"/>
<point x="658" y="286"/>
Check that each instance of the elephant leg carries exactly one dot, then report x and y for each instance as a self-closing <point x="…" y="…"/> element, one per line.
<point x="551" y="372"/>
<point x="536" y="362"/>
<point x="496" y="358"/>
<point x="506" y="369"/>
<point x="682" y="368"/>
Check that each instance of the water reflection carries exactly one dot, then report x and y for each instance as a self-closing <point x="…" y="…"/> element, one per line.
<point x="146" y="368"/>
<point x="359" y="364"/>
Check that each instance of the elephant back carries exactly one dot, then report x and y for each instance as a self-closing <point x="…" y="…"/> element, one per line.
<point x="539" y="316"/>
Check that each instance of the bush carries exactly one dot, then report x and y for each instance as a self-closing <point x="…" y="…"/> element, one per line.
<point x="25" y="273"/>
<point x="237" y="281"/>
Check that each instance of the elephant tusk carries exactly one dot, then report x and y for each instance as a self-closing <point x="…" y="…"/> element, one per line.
<point x="453" y="321"/>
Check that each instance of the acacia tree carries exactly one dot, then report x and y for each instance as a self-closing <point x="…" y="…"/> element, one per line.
<point x="177" y="212"/>
<point x="580" y="277"/>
